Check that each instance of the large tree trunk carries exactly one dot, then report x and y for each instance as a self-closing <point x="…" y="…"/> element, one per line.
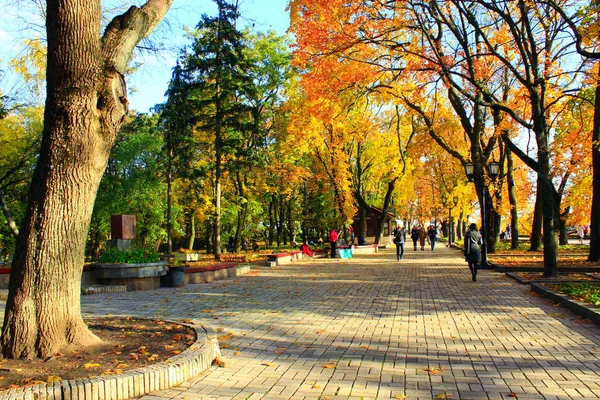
<point x="595" y="213"/>
<point x="512" y="199"/>
<point x="386" y="205"/>
<point x="536" y="225"/>
<point x="85" y="105"/>
<point x="192" y="230"/>
<point x="271" y="222"/>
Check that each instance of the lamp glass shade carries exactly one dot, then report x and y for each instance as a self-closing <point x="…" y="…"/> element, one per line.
<point x="469" y="169"/>
<point x="494" y="169"/>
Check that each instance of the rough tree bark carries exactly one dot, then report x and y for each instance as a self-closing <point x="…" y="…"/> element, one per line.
<point x="512" y="198"/>
<point x="85" y="105"/>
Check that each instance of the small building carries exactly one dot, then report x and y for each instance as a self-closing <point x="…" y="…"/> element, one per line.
<point x="372" y="220"/>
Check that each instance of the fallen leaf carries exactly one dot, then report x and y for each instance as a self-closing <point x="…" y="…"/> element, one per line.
<point x="329" y="365"/>
<point x="53" y="378"/>
<point x="219" y="362"/>
<point x="512" y="395"/>
<point x="90" y="365"/>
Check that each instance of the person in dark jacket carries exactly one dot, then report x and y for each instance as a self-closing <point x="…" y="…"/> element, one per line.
<point x="432" y="233"/>
<point x="399" y="240"/>
<point x="414" y="235"/>
<point x="473" y="242"/>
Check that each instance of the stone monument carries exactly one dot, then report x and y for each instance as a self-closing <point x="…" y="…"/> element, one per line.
<point x="122" y="231"/>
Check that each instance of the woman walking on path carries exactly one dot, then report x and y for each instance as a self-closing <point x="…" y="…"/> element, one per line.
<point x="399" y="240"/>
<point x="472" y="250"/>
<point x="422" y="237"/>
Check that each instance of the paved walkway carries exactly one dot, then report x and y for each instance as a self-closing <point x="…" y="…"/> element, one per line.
<point x="372" y="327"/>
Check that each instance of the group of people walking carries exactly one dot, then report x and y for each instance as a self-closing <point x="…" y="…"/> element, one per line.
<point x="418" y="234"/>
<point x="472" y="246"/>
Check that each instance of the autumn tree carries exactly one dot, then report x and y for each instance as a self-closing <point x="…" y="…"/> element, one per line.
<point x="86" y="101"/>
<point x="218" y="86"/>
<point x="583" y="21"/>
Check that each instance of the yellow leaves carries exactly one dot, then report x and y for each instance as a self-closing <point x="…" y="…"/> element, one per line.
<point x="435" y="371"/>
<point x="90" y="365"/>
<point x="330" y="365"/>
<point x="53" y="378"/>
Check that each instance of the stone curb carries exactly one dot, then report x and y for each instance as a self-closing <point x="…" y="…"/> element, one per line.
<point x="133" y="383"/>
<point x="585" y="310"/>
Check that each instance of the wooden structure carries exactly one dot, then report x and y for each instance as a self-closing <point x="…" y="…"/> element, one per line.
<point x="372" y="220"/>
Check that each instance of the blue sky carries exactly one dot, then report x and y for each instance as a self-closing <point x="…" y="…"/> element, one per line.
<point x="150" y="82"/>
<point x="22" y="20"/>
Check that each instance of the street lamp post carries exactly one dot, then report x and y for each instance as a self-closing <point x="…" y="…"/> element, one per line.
<point x="493" y="170"/>
<point x="451" y="206"/>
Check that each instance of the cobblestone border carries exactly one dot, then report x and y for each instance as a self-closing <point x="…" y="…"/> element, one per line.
<point x="133" y="383"/>
<point x="585" y="310"/>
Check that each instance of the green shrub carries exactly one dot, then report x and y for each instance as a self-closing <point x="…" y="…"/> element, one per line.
<point x="138" y="256"/>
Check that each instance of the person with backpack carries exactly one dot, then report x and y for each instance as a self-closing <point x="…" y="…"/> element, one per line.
<point x="473" y="241"/>
<point x="399" y="240"/>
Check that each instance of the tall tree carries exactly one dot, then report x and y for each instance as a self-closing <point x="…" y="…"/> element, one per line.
<point x="86" y="101"/>
<point x="218" y="84"/>
<point x="584" y="23"/>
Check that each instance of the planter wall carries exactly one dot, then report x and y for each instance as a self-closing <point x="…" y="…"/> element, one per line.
<point x="187" y="257"/>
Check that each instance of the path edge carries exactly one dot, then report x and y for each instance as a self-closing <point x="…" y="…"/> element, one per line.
<point x="132" y="383"/>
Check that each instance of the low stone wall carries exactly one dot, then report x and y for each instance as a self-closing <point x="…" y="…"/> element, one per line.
<point x="144" y="276"/>
<point x="284" y="258"/>
<point x="133" y="383"/>
<point x="214" y="273"/>
<point x="366" y="249"/>
<point x="121" y="277"/>
<point x="4" y="276"/>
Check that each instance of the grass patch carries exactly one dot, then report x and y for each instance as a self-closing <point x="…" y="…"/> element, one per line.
<point x="584" y="291"/>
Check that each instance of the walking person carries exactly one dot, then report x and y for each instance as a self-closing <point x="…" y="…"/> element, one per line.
<point x="422" y="237"/>
<point x="473" y="241"/>
<point x="580" y="233"/>
<point x="431" y="232"/>
<point x="414" y="235"/>
<point x="399" y="240"/>
<point x="333" y="237"/>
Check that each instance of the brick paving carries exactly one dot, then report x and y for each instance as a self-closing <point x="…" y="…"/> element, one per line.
<point x="374" y="328"/>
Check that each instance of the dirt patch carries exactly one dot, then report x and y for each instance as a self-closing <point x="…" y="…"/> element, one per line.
<point x="129" y="343"/>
